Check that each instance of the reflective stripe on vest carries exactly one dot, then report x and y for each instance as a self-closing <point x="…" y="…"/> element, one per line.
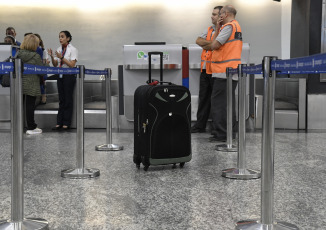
<point x="206" y="55"/>
<point x="229" y="54"/>
<point x="226" y="61"/>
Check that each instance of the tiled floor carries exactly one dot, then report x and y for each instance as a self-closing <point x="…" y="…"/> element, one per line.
<point x="193" y="197"/>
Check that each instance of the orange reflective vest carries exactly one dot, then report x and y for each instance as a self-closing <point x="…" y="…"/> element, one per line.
<point x="206" y="55"/>
<point x="229" y="54"/>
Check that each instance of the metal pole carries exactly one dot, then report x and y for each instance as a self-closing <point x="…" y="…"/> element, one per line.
<point x="242" y="120"/>
<point x="108" y="107"/>
<point x="80" y="171"/>
<point x="267" y="163"/>
<point x="241" y="172"/>
<point x="17" y="124"/>
<point x="267" y="156"/>
<point x="109" y="146"/>
<point x="17" y="221"/>
<point x="80" y="154"/>
<point x="228" y="147"/>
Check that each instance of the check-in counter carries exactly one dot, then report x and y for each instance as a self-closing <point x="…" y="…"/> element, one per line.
<point x="135" y="72"/>
<point x="290" y="103"/>
<point x="5" y="53"/>
<point x="94" y="105"/>
<point x="5" y="108"/>
<point x="46" y="115"/>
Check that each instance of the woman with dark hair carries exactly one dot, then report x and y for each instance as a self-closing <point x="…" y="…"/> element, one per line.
<point x="11" y="40"/>
<point x="66" y="56"/>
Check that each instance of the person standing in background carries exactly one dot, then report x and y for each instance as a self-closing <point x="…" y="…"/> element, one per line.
<point x="31" y="82"/>
<point x="11" y="40"/>
<point x="66" y="56"/>
<point x="227" y="48"/>
<point x="205" y="79"/>
<point x="11" y="31"/>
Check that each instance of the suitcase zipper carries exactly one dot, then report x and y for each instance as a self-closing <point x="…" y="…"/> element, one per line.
<point x="145" y="125"/>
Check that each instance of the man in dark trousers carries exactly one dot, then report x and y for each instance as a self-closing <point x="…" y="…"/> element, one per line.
<point x="227" y="48"/>
<point x="205" y="79"/>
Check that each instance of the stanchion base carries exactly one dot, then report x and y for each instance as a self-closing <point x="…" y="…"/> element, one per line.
<point x="80" y="173"/>
<point x="26" y="224"/>
<point x="108" y="147"/>
<point x="226" y="148"/>
<point x="255" y="225"/>
<point x="242" y="174"/>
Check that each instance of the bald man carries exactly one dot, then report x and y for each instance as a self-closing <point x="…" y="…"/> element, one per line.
<point x="227" y="48"/>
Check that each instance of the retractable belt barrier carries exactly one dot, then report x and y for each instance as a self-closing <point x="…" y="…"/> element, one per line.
<point x="302" y="65"/>
<point x="313" y="64"/>
<point x="17" y="221"/>
<point x="109" y="146"/>
<point x="97" y="72"/>
<point x="267" y="155"/>
<point x="241" y="172"/>
<point x="80" y="172"/>
<point x="229" y="146"/>
<point x="6" y="67"/>
<point x="35" y="69"/>
<point x="271" y="67"/>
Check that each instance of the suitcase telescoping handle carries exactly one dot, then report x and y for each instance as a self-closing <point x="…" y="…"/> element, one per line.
<point x="150" y="65"/>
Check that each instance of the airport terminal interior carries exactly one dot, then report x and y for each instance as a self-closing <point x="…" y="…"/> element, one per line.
<point x="193" y="196"/>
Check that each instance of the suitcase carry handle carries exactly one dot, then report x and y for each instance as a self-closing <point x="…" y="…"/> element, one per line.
<point x="150" y="65"/>
<point x="156" y="82"/>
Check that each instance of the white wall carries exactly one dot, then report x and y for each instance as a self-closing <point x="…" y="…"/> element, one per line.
<point x="100" y="34"/>
<point x="286" y="28"/>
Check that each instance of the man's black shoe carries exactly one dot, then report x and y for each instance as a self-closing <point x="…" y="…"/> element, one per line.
<point x="217" y="139"/>
<point x="195" y="129"/>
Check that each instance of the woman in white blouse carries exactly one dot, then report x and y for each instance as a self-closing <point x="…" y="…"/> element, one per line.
<point x="66" y="56"/>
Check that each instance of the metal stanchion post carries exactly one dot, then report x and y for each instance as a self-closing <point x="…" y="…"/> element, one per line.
<point x="228" y="147"/>
<point x="241" y="172"/>
<point x="17" y="221"/>
<point x="267" y="163"/>
<point x="80" y="171"/>
<point x="109" y="146"/>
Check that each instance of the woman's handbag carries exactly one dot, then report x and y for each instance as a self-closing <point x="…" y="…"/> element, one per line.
<point x="5" y="80"/>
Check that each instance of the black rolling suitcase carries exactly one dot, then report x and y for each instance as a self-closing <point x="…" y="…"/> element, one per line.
<point x="162" y="120"/>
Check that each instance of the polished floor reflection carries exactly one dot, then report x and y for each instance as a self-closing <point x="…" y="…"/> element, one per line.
<point x="193" y="197"/>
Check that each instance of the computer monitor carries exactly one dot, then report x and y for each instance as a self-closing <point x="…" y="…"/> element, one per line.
<point x="5" y="51"/>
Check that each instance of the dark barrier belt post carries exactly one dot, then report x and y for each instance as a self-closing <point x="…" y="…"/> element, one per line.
<point x="228" y="147"/>
<point x="17" y="221"/>
<point x="267" y="162"/>
<point x="241" y="172"/>
<point x="109" y="146"/>
<point x="80" y="171"/>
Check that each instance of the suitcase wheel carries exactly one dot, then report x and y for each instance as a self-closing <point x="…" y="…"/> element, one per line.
<point x="174" y="166"/>
<point x="182" y="164"/>
<point x="146" y="167"/>
<point x="138" y="166"/>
